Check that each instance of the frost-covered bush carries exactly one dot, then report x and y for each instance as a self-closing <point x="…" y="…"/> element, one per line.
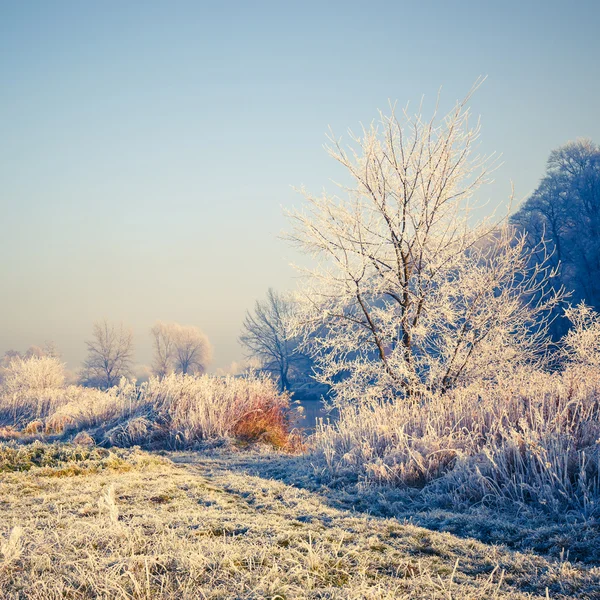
<point x="175" y="411"/>
<point x="532" y="440"/>
<point x="31" y="388"/>
<point x="581" y="345"/>
<point x="182" y="410"/>
<point x="24" y="376"/>
<point x="86" y="408"/>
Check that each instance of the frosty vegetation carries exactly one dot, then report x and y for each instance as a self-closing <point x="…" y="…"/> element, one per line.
<point x="435" y="333"/>
<point x="528" y="443"/>
<point x="432" y="330"/>
<point x="176" y="411"/>
<point x="125" y="525"/>
<point x="410" y="296"/>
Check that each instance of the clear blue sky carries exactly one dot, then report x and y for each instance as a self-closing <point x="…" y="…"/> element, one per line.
<point x="146" y="148"/>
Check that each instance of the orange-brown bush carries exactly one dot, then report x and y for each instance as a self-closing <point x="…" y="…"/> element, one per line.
<point x="267" y="422"/>
<point x="189" y="409"/>
<point x="34" y="427"/>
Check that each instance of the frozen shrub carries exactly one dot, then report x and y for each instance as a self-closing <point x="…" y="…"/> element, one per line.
<point x="34" y="374"/>
<point x="194" y="408"/>
<point x="528" y="439"/>
<point x="34" y="427"/>
<point x="137" y="431"/>
<point x="175" y="411"/>
<point x="83" y="439"/>
<point x="531" y="440"/>
<point x="86" y="408"/>
<point x="31" y="388"/>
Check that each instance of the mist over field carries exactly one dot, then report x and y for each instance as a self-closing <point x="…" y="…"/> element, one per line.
<point x="299" y="301"/>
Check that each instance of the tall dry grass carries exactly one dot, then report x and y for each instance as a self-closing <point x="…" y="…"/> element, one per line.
<point x="181" y="410"/>
<point x="529" y="439"/>
<point x="175" y="411"/>
<point x="532" y="440"/>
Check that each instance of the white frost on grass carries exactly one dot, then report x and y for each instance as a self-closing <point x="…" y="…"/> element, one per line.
<point x="206" y="528"/>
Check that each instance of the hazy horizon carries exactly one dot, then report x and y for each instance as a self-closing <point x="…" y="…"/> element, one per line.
<point x="146" y="150"/>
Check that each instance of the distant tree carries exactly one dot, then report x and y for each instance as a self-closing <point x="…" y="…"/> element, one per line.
<point x="564" y="212"/>
<point x="164" y="348"/>
<point x="192" y="350"/>
<point x="48" y="349"/>
<point x="179" y="348"/>
<point x="266" y="335"/>
<point x="110" y="355"/>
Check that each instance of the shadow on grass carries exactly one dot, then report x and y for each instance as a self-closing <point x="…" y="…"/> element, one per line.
<point x="534" y="532"/>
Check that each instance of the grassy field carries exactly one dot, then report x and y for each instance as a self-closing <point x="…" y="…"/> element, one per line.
<point x="94" y="523"/>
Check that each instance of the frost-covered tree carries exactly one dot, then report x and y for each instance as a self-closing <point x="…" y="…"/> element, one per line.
<point x="110" y="355"/>
<point x="564" y="211"/>
<point x="179" y="348"/>
<point x="164" y="349"/>
<point x="192" y="350"/>
<point x="266" y="335"/>
<point x="410" y="294"/>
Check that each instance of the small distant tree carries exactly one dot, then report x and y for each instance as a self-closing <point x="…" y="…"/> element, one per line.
<point x="164" y="348"/>
<point x="192" y="350"/>
<point x="110" y="355"/>
<point x="411" y="294"/>
<point x="48" y="349"/>
<point x="179" y="348"/>
<point x="266" y="335"/>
